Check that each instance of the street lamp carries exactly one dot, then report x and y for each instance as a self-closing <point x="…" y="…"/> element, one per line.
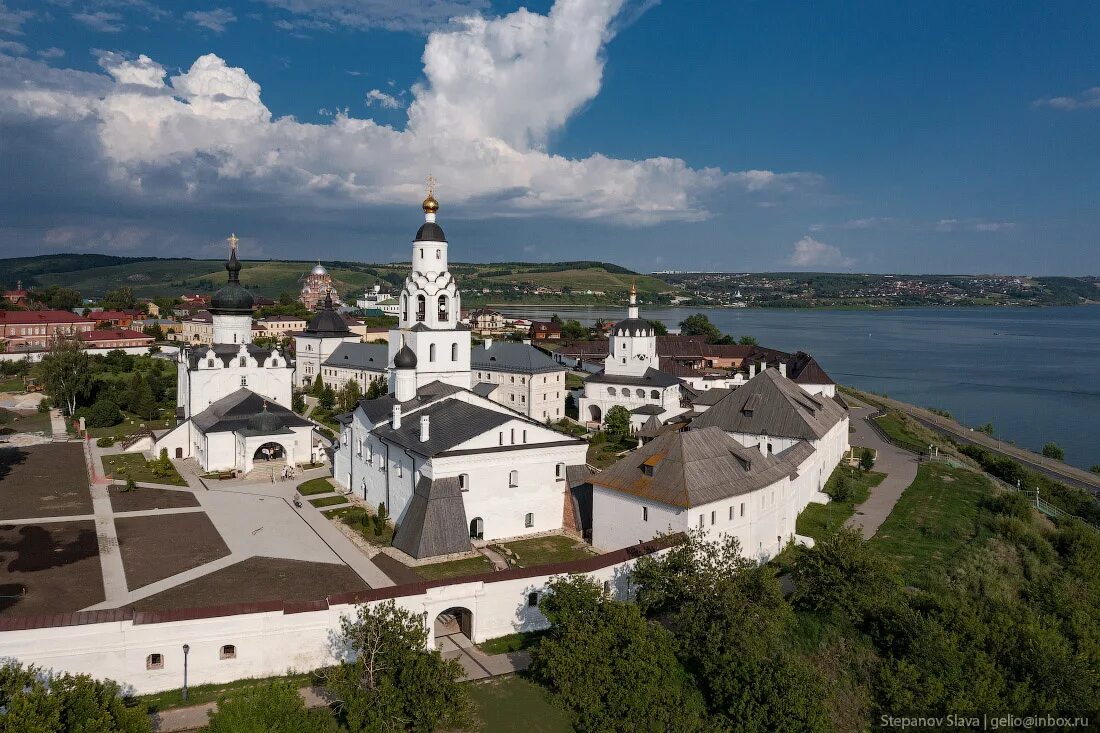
<point x="186" y="649"/>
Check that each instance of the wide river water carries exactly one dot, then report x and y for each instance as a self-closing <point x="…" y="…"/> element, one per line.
<point x="1033" y="372"/>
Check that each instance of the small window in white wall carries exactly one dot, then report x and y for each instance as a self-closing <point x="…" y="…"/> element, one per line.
<point x="645" y="514"/>
<point x="400" y="470"/>
<point x="154" y="661"/>
<point x="209" y="362"/>
<point x="229" y="651"/>
<point x="463" y="482"/>
<point x="529" y="520"/>
<point x="731" y="513"/>
<point x="701" y="521"/>
<point x="513" y="478"/>
<point x="742" y="509"/>
<point x="431" y="353"/>
<point x="713" y="517"/>
<point x="524" y="436"/>
<point x="513" y="436"/>
<point x="532" y="599"/>
<point x="559" y="471"/>
<point x="610" y="390"/>
<point x="244" y="381"/>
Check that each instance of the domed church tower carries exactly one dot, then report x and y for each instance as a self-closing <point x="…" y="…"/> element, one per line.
<point x="231" y="306"/>
<point x="632" y="343"/>
<point x="429" y="310"/>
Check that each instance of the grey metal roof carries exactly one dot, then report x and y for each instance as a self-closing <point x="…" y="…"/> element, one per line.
<point x="227" y="353"/>
<point x="711" y="396"/>
<point x="484" y="389"/>
<point x="451" y="423"/>
<point x="648" y="410"/>
<point x="435" y="522"/>
<point x="769" y="404"/>
<point x="698" y="467"/>
<point x="233" y="413"/>
<point x="651" y="378"/>
<point x="381" y="408"/>
<point x="352" y="355"/>
<point x="429" y="231"/>
<point x="512" y="357"/>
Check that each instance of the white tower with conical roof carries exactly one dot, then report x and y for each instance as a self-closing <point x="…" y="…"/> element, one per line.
<point x="428" y="320"/>
<point x="632" y="345"/>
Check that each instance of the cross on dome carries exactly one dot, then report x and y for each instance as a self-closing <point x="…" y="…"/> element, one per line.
<point x="233" y="240"/>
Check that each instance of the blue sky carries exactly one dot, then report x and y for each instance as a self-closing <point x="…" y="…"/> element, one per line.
<point x="849" y="136"/>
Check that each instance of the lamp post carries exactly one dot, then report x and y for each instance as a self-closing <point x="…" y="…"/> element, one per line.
<point x="186" y="649"/>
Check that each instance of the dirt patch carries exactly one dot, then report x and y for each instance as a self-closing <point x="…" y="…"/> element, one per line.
<point x="160" y="546"/>
<point x="44" y="481"/>
<point x="258" y="579"/>
<point x="143" y="499"/>
<point x="49" y="568"/>
<point x="395" y="570"/>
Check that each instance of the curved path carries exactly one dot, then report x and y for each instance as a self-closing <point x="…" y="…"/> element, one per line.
<point x="900" y="467"/>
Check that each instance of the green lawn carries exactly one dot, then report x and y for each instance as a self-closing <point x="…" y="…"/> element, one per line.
<point x="14" y="422"/>
<point x="516" y="705"/>
<point x="455" y="568"/>
<point x="132" y="424"/>
<point x="821" y="520"/>
<point x="573" y="381"/>
<point x="933" y="520"/>
<point x="11" y="384"/>
<point x="209" y="693"/>
<point x="329" y="501"/>
<point x="319" y="485"/>
<point x="545" y="550"/>
<point x="359" y="519"/>
<point x="511" y="642"/>
<point x="602" y="455"/>
<point x="134" y="465"/>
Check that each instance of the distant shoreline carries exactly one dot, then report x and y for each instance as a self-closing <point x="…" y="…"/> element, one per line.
<point x="839" y="307"/>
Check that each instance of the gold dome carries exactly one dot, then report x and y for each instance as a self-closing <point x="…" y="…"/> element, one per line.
<point x="430" y="204"/>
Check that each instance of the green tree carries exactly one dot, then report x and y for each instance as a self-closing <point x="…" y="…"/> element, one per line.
<point x="275" y="707"/>
<point x="318" y="386"/>
<point x="66" y="373"/>
<point x="328" y="398"/>
<point x="618" y="421"/>
<point x="841" y="574"/>
<point x="298" y="403"/>
<point x="155" y="331"/>
<point x="700" y="325"/>
<point x="658" y="328"/>
<point x="119" y="299"/>
<point x="1052" y="450"/>
<point x="377" y="388"/>
<point x="866" y="460"/>
<point x="102" y="414"/>
<point x="395" y="683"/>
<point x="55" y="297"/>
<point x="987" y="429"/>
<point x="142" y="402"/>
<point x="556" y="319"/>
<point x="36" y="701"/>
<point x="747" y="341"/>
<point x="1095" y="468"/>
<point x="572" y="329"/>
<point x="611" y="667"/>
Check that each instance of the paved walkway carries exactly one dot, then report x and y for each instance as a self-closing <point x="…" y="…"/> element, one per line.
<point x="57" y="425"/>
<point x="115" y="589"/>
<point x="900" y="467"/>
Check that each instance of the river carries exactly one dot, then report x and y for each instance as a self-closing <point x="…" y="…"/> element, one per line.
<point x="1032" y="372"/>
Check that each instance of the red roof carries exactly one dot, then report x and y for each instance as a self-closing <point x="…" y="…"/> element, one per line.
<point x="113" y="335"/>
<point x="114" y="315"/>
<point x="40" y="317"/>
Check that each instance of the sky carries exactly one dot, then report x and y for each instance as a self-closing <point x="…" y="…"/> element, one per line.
<point x="732" y="135"/>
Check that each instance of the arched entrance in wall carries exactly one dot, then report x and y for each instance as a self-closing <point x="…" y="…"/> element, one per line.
<point x="453" y="629"/>
<point x="595" y="414"/>
<point x="269" y="452"/>
<point x="477" y="528"/>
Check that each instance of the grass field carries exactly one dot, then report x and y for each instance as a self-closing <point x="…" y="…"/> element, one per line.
<point x="546" y="550"/>
<point x="209" y="693"/>
<point x="516" y="705"/>
<point x="359" y="519"/>
<point x="328" y="501"/>
<point x="135" y="466"/>
<point x="14" y="422"/>
<point x="11" y="384"/>
<point x="511" y="642"/>
<point x="933" y="519"/>
<point x="455" y="568"/>
<point x="132" y="424"/>
<point x="319" y="485"/>
<point x="602" y="455"/>
<point x="821" y="520"/>
<point x="904" y="431"/>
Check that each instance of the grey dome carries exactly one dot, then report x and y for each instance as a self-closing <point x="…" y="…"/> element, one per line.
<point x="405" y="358"/>
<point x="327" y="322"/>
<point x="429" y="231"/>
<point x="265" y="422"/>
<point x="232" y="299"/>
<point x="633" y="327"/>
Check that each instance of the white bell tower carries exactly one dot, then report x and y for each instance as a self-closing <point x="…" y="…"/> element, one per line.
<point x="632" y="344"/>
<point x="428" y="319"/>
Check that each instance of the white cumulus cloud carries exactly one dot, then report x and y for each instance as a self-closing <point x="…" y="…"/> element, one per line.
<point x="1088" y="99"/>
<point x="11" y="20"/>
<point x="214" y="20"/>
<point x="380" y="98"/>
<point x="809" y="252"/>
<point x="494" y="93"/>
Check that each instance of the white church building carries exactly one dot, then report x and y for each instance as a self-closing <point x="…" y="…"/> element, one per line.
<point x="630" y="376"/>
<point x="451" y="467"/>
<point x="233" y="397"/>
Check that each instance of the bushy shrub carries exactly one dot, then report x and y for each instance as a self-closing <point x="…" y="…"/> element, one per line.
<point x="106" y="441"/>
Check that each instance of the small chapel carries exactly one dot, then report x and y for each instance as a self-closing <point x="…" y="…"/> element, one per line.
<point x="234" y="397"/>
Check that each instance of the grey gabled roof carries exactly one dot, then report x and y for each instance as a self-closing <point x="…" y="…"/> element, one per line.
<point x="648" y="410"/>
<point x="484" y="389"/>
<point x="698" y="467"/>
<point x="381" y="408"/>
<point x="512" y="357"/>
<point x="232" y="413"/>
<point x="435" y="521"/>
<point x="711" y="396"/>
<point x="769" y="404"/>
<point x="367" y="357"/>
<point x="451" y="423"/>
<point x="651" y="378"/>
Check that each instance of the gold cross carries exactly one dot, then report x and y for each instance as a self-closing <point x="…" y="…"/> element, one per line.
<point x="233" y="239"/>
<point x="431" y="184"/>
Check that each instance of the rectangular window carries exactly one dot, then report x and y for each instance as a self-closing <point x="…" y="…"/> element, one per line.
<point x="713" y="516"/>
<point x="701" y="521"/>
<point x="742" y="509"/>
<point x="731" y="513"/>
<point x="244" y="381"/>
<point x="529" y="520"/>
<point x="645" y="514"/>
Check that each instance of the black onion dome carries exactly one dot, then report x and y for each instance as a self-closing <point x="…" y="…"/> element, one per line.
<point x="265" y="422"/>
<point x="633" y="327"/>
<point x="327" y="322"/>
<point x="429" y="231"/>
<point x="405" y="358"/>
<point x="232" y="299"/>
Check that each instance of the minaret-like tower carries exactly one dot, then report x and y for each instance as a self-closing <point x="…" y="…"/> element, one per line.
<point x="428" y="321"/>
<point x="633" y="343"/>
<point x="232" y="305"/>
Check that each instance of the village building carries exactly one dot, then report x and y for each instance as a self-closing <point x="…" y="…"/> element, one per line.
<point x="34" y="330"/>
<point x="233" y="397"/>
<point x="326" y="331"/>
<point x="365" y="363"/>
<point x="281" y="326"/>
<point x="519" y="376"/>
<point x="487" y="322"/>
<point x="115" y="338"/>
<point x="373" y="298"/>
<point x="450" y="466"/>
<point x="316" y="287"/>
<point x="545" y="331"/>
<point x="18" y="297"/>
